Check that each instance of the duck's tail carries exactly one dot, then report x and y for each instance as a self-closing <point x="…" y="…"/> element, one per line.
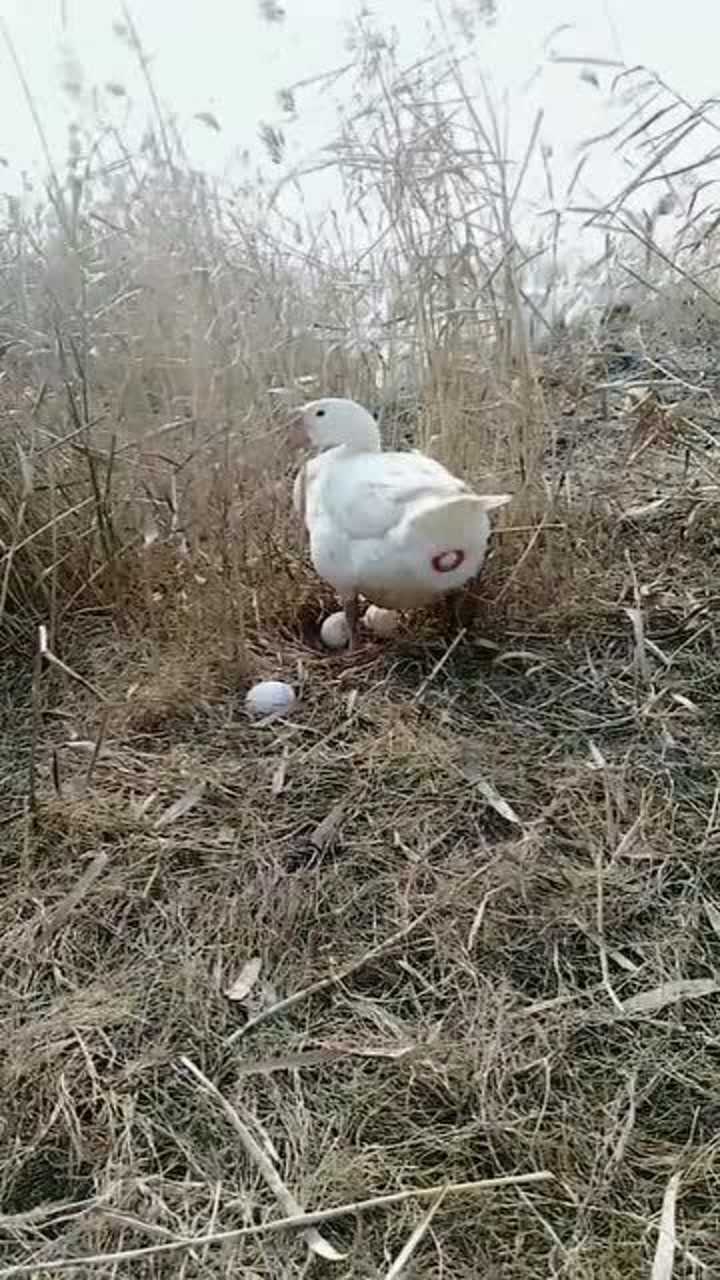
<point x="456" y="522"/>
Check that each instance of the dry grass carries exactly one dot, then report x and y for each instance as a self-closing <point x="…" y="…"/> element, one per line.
<point x="467" y="899"/>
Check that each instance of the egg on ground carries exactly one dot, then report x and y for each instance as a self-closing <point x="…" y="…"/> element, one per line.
<point x="382" y="622"/>
<point x="268" y="698"/>
<point x="335" y="632"/>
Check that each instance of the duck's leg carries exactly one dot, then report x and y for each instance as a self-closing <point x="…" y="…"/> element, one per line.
<point x="351" y="610"/>
<point x="452" y="610"/>
<point x="461" y="605"/>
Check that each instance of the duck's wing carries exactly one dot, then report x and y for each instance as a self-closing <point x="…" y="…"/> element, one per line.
<point x="368" y="495"/>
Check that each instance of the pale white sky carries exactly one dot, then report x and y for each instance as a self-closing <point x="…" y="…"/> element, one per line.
<point x="220" y="56"/>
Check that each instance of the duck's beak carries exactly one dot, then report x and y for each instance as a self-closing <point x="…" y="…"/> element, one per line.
<point x="297" y="435"/>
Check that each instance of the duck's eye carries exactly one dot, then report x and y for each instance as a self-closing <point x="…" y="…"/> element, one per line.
<point x="319" y="413"/>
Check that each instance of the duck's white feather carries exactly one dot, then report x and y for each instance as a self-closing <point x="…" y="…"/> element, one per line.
<point x="366" y="494"/>
<point x="390" y="526"/>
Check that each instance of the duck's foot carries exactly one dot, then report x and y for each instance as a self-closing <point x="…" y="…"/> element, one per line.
<point x="351" y="609"/>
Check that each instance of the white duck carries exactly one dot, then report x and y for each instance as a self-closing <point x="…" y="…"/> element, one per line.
<point x="396" y="528"/>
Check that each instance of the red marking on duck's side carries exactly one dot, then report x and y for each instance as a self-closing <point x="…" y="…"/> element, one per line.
<point x="446" y="561"/>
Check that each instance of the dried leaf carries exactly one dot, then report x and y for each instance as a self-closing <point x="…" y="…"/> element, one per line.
<point x="245" y="981"/>
<point x="669" y="993"/>
<point x="391" y="1052"/>
<point x="180" y="807"/>
<point x="622" y="961"/>
<point x="322" y="1247"/>
<point x="327" y="829"/>
<point x="642" y="512"/>
<point x="26" y="470"/>
<point x="287" y="1062"/>
<point x="664" y="1259"/>
<point x="277" y="784"/>
<point x="687" y="703"/>
<point x="519" y="655"/>
<point x="638" y="626"/>
<point x="476" y="925"/>
<point x="490" y="793"/>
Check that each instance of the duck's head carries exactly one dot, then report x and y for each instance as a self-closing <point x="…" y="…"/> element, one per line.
<point x="325" y="424"/>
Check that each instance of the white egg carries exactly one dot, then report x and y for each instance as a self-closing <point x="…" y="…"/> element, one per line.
<point x="382" y="622"/>
<point x="269" y="698"/>
<point x="335" y="632"/>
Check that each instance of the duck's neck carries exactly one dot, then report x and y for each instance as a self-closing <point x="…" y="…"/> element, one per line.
<point x="366" y="441"/>
<point x="350" y="450"/>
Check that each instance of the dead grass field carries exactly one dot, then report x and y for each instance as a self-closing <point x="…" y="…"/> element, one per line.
<point x="492" y="892"/>
<point x="466" y="899"/>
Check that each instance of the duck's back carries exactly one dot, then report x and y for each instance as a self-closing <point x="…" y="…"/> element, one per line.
<point x="369" y="494"/>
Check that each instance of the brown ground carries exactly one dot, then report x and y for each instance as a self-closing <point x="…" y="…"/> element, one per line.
<point x="502" y="857"/>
